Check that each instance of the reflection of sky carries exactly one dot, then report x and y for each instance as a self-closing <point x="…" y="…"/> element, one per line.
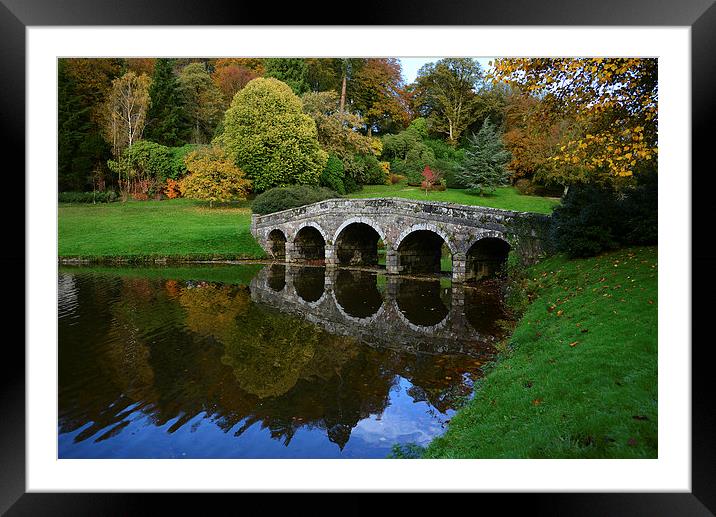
<point x="403" y="421"/>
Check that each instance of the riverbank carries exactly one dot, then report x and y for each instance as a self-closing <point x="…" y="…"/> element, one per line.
<point x="171" y="231"/>
<point x="183" y="230"/>
<point x="578" y="378"/>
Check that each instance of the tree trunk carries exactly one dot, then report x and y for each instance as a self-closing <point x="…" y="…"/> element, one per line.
<point x="343" y="92"/>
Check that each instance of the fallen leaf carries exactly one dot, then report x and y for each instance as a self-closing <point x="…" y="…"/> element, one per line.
<point x="573" y="343"/>
<point x="560" y="312"/>
<point x="537" y="402"/>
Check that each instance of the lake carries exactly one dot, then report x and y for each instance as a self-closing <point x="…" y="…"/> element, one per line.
<point x="265" y="361"/>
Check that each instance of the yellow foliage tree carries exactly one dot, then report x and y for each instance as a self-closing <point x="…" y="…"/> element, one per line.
<point x="213" y="177"/>
<point x="613" y="103"/>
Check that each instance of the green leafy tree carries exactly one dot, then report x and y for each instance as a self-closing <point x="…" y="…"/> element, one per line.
<point x="213" y="177"/>
<point x="408" y="154"/>
<point x="486" y="159"/>
<point x="167" y="122"/>
<point x="292" y="71"/>
<point x="203" y="101"/>
<point x="445" y="94"/>
<point x="269" y="137"/>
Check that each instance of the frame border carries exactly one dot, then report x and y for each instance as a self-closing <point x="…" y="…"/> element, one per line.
<point x="700" y="15"/>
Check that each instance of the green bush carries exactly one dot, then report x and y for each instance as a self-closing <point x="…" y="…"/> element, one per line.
<point x="270" y="138"/>
<point x="333" y="175"/>
<point x="88" y="197"/>
<point x="283" y="198"/>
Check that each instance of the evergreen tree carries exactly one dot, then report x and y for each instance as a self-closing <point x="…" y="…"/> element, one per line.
<point x="292" y="71"/>
<point x="167" y="122"/>
<point x="80" y="148"/>
<point x="486" y="159"/>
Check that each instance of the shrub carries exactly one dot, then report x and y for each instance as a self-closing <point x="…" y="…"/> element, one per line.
<point x="108" y="196"/>
<point x="396" y="178"/>
<point x="283" y="198"/>
<point x="524" y="187"/>
<point x="172" y="189"/>
<point x="592" y="219"/>
<point x="213" y="177"/>
<point x="333" y="175"/>
<point x="269" y="137"/>
<point x="587" y="221"/>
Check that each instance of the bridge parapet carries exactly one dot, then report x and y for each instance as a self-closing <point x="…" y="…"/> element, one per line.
<point x="394" y="219"/>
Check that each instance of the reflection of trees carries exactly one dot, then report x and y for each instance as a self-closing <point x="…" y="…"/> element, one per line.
<point x="175" y="350"/>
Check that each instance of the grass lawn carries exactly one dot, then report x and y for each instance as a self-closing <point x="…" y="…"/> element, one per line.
<point x="579" y="378"/>
<point x="506" y="197"/>
<point x="177" y="228"/>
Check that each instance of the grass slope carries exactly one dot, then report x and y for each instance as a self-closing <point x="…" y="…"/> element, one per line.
<point x="178" y="228"/>
<point x="579" y="379"/>
<point x="506" y="197"/>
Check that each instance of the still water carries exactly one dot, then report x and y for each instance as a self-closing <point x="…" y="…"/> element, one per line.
<point x="252" y="361"/>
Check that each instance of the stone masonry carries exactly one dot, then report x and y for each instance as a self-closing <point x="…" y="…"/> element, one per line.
<point x="332" y="224"/>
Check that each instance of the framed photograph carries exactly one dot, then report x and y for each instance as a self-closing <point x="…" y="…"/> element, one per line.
<point x="190" y="382"/>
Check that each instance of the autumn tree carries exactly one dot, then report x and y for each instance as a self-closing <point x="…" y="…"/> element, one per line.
<point x="338" y="131"/>
<point x="613" y="103"/>
<point x="231" y="78"/>
<point x="203" y="102"/>
<point x="167" y="122"/>
<point x="376" y="93"/>
<point x="324" y="74"/>
<point x="125" y="110"/>
<point x="213" y="177"/>
<point x="534" y="132"/>
<point x="445" y="95"/>
<point x="268" y="136"/>
<point x="485" y="166"/>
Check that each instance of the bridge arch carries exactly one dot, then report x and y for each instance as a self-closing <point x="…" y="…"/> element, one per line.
<point x="276" y="240"/>
<point x="309" y="243"/>
<point x="419" y="248"/>
<point x="356" y="241"/>
<point x="487" y="256"/>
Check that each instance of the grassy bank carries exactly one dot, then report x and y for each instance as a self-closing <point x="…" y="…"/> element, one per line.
<point x="181" y="229"/>
<point x="579" y="378"/>
<point x="177" y="228"/>
<point x="506" y="198"/>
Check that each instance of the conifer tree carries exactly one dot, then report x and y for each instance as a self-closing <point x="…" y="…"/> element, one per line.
<point x="167" y="123"/>
<point x="486" y="159"/>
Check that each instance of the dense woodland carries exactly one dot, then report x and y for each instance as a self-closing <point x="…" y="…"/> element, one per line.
<point x="221" y="129"/>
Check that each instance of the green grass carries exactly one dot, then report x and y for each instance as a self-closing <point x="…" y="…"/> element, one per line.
<point x="579" y="377"/>
<point x="178" y="228"/>
<point x="181" y="229"/>
<point x="506" y="197"/>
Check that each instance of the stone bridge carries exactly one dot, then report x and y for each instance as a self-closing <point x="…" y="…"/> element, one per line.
<point x="414" y="235"/>
<point x="419" y="316"/>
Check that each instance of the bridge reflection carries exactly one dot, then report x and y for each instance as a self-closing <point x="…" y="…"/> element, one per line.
<point x="430" y="315"/>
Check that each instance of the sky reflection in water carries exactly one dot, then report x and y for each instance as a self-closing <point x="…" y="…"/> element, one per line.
<point x="272" y="362"/>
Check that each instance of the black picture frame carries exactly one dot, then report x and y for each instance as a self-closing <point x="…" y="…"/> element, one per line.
<point x="700" y="15"/>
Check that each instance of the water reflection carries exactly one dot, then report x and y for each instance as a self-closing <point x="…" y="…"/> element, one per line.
<point x="326" y="366"/>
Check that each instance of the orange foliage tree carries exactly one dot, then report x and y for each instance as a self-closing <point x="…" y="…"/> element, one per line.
<point x="613" y="103"/>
